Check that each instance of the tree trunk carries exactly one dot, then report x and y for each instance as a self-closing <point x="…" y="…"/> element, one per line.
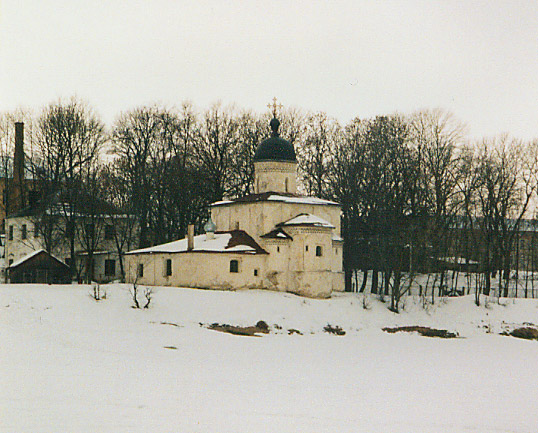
<point x="364" y="280"/>
<point x="375" y="281"/>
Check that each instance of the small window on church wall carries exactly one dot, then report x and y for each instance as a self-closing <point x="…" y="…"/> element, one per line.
<point x="234" y="266"/>
<point x="286" y="185"/>
<point x="168" y="267"/>
<point x="306" y="248"/>
<point x="24" y="233"/>
<point x="277" y="249"/>
<point x="10" y="233"/>
<point x="140" y="270"/>
<point x="319" y="251"/>
<point x="255" y="272"/>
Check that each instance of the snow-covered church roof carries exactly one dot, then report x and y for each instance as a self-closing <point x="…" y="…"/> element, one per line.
<point x="235" y="241"/>
<point x="305" y="219"/>
<point x="278" y="197"/>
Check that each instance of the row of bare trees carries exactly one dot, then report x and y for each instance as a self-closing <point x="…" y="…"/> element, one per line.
<point x="409" y="185"/>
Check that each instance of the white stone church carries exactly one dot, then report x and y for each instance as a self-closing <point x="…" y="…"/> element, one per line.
<point x="273" y="239"/>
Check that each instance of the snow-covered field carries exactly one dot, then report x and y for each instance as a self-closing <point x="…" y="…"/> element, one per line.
<point x="71" y="364"/>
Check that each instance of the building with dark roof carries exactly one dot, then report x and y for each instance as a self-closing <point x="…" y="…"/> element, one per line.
<point x="273" y="239"/>
<point x="33" y="222"/>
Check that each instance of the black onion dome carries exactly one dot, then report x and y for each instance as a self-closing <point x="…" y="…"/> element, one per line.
<point x="275" y="148"/>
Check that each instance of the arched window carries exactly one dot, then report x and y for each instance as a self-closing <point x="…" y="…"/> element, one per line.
<point x="234" y="266"/>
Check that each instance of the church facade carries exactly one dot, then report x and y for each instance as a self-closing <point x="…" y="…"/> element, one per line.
<point x="273" y="239"/>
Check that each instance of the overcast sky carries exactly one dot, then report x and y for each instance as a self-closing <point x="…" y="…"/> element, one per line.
<point x="347" y="58"/>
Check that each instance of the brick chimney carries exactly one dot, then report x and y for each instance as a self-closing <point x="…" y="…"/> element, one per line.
<point x="190" y="237"/>
<point x="18" y="169"/>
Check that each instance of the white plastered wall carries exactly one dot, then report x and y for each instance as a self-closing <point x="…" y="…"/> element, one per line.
<point x="275" y="176"/>
<point x="259" y="218"/>
<point x="198" y="270"/>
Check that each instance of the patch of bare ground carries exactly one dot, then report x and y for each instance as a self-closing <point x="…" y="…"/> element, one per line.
<point x="526" y="333"/>
<point x="252" y="331"/>
<point x="335" y="330"/>
<point x="424" y="331"/>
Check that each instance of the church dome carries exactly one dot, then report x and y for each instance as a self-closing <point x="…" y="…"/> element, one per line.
<point x="275" y="148"/>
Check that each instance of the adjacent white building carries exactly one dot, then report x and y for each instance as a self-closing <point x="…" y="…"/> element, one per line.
<point x="25" y="236"/>
<point x="273" y="239"/>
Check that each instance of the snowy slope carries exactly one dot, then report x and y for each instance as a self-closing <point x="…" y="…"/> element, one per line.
<point x="70" y="364"/>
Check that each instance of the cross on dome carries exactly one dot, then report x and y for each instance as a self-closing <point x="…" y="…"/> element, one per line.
<point x="274" y="107"/>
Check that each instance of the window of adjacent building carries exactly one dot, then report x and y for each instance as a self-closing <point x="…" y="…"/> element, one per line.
<point x="10" y="233"/>
<point x="168" y="267"/>
<point x="90" y="230"/>
<point x="110" y="267"/>
<point x="69" y="229"/>
<point x="36" y="229"/>
<point x="24" y="232"/>
<point x="234" y="266"/>
<point x="109" y="232"/>
<point x="319" y="251"/>
<point x="140" y="270"/>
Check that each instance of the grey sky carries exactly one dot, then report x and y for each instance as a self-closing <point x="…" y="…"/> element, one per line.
<point x="348" y="58"/>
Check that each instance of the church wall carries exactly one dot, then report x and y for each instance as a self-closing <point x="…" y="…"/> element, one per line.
<point x="306" y="240"/>
<point x="278" y="176"/>
<point x="289" y="266"/>
<point x="337" y="256"/>
<point x="317" y="284"/>
<point x="198" y="270"/>
<point x="278" y="263"/>
<point x="258" y="218"/>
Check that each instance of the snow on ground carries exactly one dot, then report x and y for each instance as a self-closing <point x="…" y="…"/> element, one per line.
<point x="71" y="364"/>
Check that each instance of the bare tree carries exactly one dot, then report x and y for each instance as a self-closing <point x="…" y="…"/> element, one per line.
<point x="315" y="150"/>
<point x="70" y="137"/>
<point x="437" y="137"/>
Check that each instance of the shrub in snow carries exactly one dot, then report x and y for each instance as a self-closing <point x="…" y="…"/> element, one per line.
<point x="97" y="293"/>
<point x="135" y="293"/>
<point x="335" y="330"/>
<point x="526" y="333"/>
<point x="366" y="302"/>
<point x="262" y="325"/>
